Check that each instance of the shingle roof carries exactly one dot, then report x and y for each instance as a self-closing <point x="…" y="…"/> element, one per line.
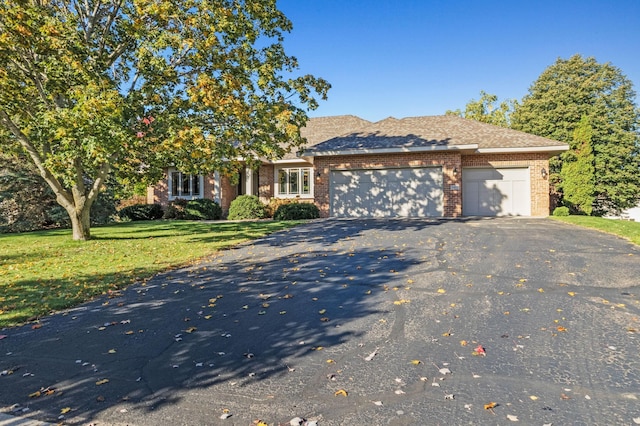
<point x="321" y="129"/>
<point x="430" y="132"/>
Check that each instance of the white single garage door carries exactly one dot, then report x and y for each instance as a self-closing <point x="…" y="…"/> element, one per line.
<point x="496" y="192"/>
<point x="406" y="192"/>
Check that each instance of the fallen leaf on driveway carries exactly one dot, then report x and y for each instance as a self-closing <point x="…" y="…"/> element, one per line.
<point x="341" y="392"/>
<point x="371" y="355"/>
<point x="479" y="350"/>
<point x="512" y="417"/>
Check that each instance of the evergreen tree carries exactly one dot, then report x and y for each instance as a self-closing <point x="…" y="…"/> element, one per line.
<point x="578" y="171"/>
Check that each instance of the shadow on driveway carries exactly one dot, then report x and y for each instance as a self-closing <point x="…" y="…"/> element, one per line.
<point x="376" y="307"/>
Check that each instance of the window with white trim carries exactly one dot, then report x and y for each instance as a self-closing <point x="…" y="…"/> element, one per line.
<point x="183" y="185"/>
<point x="295" y="181"/>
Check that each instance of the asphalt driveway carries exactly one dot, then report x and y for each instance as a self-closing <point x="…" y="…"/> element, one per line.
<point x="353" y="322"/>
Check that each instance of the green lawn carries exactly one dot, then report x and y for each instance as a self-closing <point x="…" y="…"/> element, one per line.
<point x="46" y="271"/>
<point x="622" y="228"/>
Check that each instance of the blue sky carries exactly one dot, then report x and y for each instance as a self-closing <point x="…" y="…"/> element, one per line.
<point x="407" y="58"/>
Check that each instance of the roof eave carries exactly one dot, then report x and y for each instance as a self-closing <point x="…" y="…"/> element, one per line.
<point x="397" y="150"/>
<point x="298" y="160"/>
<point x="552" y="150"/>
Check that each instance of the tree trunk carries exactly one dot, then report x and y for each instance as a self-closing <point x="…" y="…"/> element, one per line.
<point x="80" y="223"/>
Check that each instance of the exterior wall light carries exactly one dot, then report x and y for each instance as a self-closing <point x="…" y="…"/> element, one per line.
<point x="455" y="171"/>
<point x="543" y="172"/>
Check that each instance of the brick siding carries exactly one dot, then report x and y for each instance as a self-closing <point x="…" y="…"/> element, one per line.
<point x="266" y="182"/>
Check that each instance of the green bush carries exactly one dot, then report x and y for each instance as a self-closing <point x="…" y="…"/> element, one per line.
<point x="141" y="212"/>
<point x="297" y="211"/>
<point x="274" y="203"/>
<point x="175" y="209"/>
<point x="202" y="209"/>
<point x="247" y="207"/>
<point x="561" y="211"/>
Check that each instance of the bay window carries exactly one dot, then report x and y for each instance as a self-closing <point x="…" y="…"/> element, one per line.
<point x="294" y="181"/>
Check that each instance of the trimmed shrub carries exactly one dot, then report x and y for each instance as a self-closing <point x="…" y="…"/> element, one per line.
<point x="202" y="209"/>
<point x="175" y="209"/>
<point x="141" y="212"/>
<point x="561" y="211"/>
<point x="274" y="203"/>
<point x="297" y="211"/>
<point x="247" y="207"/>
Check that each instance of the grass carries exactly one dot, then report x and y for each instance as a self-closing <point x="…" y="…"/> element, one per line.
<point x="46" y="271"/>
<point x="623" y="228"/>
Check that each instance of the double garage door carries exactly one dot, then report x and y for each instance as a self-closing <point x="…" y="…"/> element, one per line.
<point x="496" y="192"/>
<point x="403" y="192"/>
<point x="418" y="192"/>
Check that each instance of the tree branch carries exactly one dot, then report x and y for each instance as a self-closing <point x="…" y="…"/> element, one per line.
<point x="107" y="27"/>
<point x="63" y="196"/>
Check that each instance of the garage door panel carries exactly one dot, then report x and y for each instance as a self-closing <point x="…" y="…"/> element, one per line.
<point x="387" y="193"/>
<point x="496" y="192"/>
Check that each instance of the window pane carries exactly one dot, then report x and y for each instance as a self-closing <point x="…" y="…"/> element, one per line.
<point x="175" y="184"/>
<point x="293" y="181"/>
<point x="282" y="180"/>
<point x="195" y="186"/>
<point x="306" y="185"/>
<point x="186" y="187"/>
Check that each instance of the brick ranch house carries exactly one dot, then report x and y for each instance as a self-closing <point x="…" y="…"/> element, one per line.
<point x="435" y="166"/>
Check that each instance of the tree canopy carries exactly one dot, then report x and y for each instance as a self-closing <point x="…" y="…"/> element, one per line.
<point x="575" y="89"/>
<point x="487" y="110"/>
<point x="126" y="87"/>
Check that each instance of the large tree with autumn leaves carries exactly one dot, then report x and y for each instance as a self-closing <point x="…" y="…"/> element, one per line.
<point x="124" y="87"/>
